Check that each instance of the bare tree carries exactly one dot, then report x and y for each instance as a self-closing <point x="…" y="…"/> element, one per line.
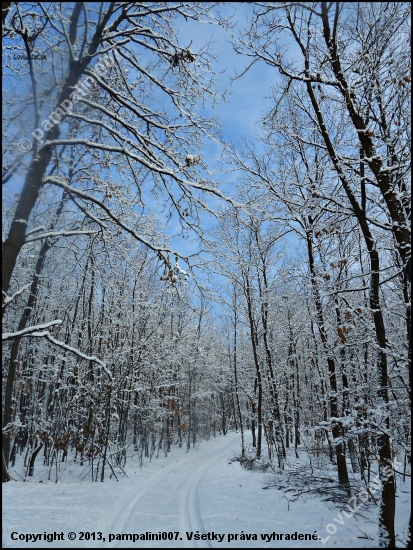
<point x="344" y="76"/>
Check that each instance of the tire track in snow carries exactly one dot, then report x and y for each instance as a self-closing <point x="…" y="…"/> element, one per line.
<point x="190" y="518"/>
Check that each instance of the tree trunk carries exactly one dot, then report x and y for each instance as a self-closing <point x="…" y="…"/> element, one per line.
<point x="33" y="458"/>
<point x="258" y="380"/>
<point x="5" y="476"/>
<point x="335" y="428"/>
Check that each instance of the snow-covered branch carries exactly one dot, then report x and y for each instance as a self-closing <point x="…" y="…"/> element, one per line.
<point x="8" y="299"/>
<point x="58" y="234"/>
<point x="28" y="330"/>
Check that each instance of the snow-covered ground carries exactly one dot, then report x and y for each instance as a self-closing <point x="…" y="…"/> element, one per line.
<point x="181" y="496"/>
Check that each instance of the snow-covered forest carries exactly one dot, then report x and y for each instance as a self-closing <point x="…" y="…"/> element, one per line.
<point x="168" y="280"/>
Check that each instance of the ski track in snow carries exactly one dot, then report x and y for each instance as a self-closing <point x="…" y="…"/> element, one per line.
<point x="126" y="511"/>
<point x="124" y="515"/>
<point x="189" y="513"/>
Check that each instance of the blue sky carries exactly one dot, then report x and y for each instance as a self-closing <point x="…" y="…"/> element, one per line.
<point x="239" y="116"/>
<point x="247" y="98"/>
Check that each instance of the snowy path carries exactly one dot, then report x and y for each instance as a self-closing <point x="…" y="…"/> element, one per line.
<point x="170" y="501"/>
<point x="184" y="493"/>
<point x="189" y="508"/>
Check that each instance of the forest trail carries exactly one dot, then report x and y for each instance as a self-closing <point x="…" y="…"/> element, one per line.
<point x="180" y="494"/>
